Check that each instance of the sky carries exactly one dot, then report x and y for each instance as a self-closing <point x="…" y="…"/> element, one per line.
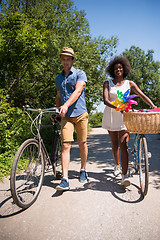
<point x="134" y="22"/>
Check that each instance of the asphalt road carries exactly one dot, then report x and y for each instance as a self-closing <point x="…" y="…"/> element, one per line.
<point x="100" y="209"/>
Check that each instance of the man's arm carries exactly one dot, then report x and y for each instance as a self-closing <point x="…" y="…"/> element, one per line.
<point x="58" y="99"/>
<point x="74" y="96"/>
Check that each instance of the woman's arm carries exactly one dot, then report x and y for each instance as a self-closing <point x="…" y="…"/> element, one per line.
<point x="136" y="90"/>
<point x="106" y="95"/>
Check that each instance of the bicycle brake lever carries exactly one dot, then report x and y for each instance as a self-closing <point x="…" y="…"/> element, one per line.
<point x="26" y="106"/>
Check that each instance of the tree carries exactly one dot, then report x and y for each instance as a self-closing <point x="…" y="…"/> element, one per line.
<point x="32" y="70"/>
<point x="95" y="120"/>
<point x="145" y="73"/>
<point x="22" y="49"/>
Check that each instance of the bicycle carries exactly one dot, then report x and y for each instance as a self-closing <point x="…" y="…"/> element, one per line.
<point x="32" y="159"/>
<point x="140" y="163"/>
<point x="141" y="123"/>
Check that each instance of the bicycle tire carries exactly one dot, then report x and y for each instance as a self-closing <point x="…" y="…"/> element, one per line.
<point x="27" y="173"/>
<point x="143" y="166"/>
<point x="57" y="148"/>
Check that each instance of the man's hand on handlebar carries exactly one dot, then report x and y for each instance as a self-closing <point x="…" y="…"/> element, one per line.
<point x="63" y="110"/>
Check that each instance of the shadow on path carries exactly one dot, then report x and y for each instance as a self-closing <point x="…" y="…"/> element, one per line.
<point x="100" y="154"/>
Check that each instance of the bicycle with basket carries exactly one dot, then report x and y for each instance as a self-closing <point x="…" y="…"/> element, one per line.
<point x="32" y="159"/>
<point x="142" y="123"/>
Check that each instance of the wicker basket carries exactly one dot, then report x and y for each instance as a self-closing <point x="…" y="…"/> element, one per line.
<point x="142" y="122"/>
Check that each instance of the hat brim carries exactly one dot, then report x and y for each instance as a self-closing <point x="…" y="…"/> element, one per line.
<point x="66" y="54"/>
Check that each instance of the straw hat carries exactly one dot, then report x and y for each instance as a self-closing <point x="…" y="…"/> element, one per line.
<point x="67" y="51"/>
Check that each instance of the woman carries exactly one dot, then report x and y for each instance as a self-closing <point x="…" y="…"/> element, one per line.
<point x="118" y="69"/>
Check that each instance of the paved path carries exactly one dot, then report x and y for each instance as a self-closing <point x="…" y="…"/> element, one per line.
<point x="97" y="210"/>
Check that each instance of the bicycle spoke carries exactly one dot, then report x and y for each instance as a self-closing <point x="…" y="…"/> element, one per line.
<point x="134" y="165"/>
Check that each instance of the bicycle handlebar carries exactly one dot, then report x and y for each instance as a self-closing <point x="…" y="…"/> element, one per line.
<point x="36" y="122"/>
<point x="27" y="107"/>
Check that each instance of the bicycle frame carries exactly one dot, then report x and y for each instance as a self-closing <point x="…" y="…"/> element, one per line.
<point x="135" y="151"/>
<point x="139" y="136"/>
<point x="37" y="124"/>
<point x="28" y="168"/>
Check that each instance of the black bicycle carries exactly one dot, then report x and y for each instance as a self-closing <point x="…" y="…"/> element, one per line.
<point x="32" y="159"/>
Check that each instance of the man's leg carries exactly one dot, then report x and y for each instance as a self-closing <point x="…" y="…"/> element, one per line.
<point x="81" y="129"/>
<point x="67" y="129"/>
<point x="65" y="158"/>
<point x="83" y="154"/>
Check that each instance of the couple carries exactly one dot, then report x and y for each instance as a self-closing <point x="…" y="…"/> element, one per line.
<point x="71" y="84"/>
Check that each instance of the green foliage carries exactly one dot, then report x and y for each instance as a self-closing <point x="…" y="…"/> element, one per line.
<point x="6" y="163"/>
<point x="95" y="120"/>
<point x="13" y="131"/>
<point x="32" y="35"/>
<point x="145" y="73"/>
<point x="22" y="49"/>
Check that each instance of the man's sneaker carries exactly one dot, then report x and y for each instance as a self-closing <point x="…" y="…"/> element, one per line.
<point x="117" y="170"/>
<point x="64" y="185"/>
<point x="83" y="176"/>
<point x="125" y="182"/>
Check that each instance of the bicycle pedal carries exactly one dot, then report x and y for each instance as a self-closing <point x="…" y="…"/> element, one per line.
<point x="149" y="154"/>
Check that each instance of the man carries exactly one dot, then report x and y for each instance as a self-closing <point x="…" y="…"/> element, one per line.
<point x="70" y="84"/>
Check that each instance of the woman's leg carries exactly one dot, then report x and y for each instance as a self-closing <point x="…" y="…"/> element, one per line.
<point x="115" y="148"/>
<point x="123" y="142"/>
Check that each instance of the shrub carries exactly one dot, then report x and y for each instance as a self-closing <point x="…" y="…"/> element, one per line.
<point x="13" y="130"/>
<point x="95" y="120"/>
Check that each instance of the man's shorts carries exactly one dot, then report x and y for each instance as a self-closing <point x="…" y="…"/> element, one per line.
<point x="68" y="124"/>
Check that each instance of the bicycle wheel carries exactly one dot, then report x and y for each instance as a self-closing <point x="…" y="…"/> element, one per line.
<point x="143" y="165"/>
<point x="27" y="173"/>
<point x="57" y="148"/>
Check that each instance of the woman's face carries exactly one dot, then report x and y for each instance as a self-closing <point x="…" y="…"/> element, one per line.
<point x="118" y="70"/>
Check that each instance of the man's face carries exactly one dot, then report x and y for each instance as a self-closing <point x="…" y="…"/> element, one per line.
<point x="66" y="62"/>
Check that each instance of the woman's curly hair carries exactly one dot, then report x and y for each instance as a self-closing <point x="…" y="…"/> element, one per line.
<point x="122" y="60"/>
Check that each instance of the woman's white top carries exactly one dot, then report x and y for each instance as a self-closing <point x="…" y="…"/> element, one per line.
<point x="112" y="119"/>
